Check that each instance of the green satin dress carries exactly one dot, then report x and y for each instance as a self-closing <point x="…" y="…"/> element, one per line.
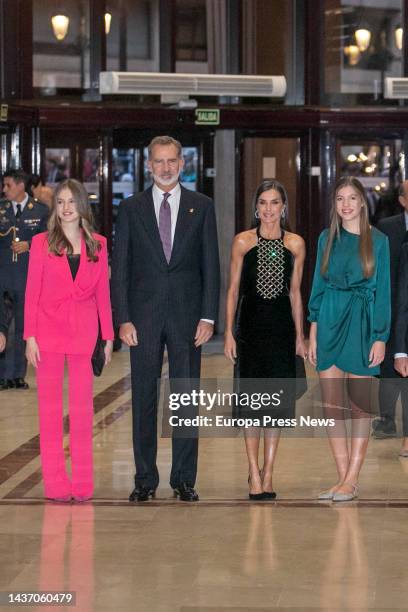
<point x="351" y="311"/>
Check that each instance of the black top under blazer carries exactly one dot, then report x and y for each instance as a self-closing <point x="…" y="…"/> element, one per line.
<point x="147" y="290"/>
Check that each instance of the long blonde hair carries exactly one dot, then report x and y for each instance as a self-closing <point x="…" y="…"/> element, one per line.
<point x="58" y="243"/>
<point x="365" y="240"/>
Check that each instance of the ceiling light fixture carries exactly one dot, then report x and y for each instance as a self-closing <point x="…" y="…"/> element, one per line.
<point x="353" y="54"/>
<point x="399" y="35"/>
<point x="60" y="24"/>
<point x="108" y="20"/>
<point x="363" y="37"/>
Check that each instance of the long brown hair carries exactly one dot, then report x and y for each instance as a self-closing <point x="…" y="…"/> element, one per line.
<point x="57" y="241"/>
<point x="365" y="240"/>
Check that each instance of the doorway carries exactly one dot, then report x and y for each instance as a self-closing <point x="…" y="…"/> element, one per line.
<point x="269" y="158"/>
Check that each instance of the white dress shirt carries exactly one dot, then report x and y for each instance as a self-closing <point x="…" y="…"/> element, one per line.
<point x="399" y="355"/>
<point x="174" y="201"/>
<point x="22" y="203"/>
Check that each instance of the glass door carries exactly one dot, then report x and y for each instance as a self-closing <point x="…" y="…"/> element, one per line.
<point x="126" y="177"/>
<point x="379" y="164"/>
<point x="130" y="173"/>
<point x="69" y="155"/>
<point x="10" y="147"/>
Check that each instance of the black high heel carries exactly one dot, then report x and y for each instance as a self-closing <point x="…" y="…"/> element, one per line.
<point x="255" y="496"/>
<point x="267" y="494"/>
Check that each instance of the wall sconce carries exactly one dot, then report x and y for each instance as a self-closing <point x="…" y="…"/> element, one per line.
<point x="399" y="34"/>
<point x="60" y="24"/>
<point x="108" y="19"/>
<point x="363" y="37"/>
<point x="353" y="54"/>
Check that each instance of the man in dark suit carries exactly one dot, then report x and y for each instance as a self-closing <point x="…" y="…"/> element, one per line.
<point x="391" y="385"/>
<point x="400" y="340"/>
<point x="165" y="285"/>
<point x="28" y="217"/>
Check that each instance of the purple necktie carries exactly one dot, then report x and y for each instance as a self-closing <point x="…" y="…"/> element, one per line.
<point x="165" y="225"/>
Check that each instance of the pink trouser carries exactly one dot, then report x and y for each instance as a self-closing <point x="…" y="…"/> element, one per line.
<point x="50" y="379"/>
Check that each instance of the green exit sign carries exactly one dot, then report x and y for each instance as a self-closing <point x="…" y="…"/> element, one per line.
<point x="207" y="116"/>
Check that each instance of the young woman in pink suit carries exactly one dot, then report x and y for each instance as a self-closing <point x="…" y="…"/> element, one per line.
<point x="67" y="291"/>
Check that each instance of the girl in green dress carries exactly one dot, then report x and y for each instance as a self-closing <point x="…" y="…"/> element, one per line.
<point x="350" y="316"/>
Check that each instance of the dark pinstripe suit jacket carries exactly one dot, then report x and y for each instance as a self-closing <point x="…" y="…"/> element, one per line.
<point x="146" y="289"/>
<point x="394" y="228"/>
<point x="401" y="316"/>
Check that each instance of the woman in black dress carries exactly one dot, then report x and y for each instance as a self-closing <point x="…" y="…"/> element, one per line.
<point x="264" y="319"/>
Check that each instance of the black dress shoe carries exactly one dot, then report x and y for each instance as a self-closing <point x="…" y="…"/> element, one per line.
<point x="8" y="384"/>
<point x="20" y="383"/>
<point x="384" y="428"/>
<point x="3" y="384"/>
<point x="186" y="493"/>
<point x="141" y="494"/>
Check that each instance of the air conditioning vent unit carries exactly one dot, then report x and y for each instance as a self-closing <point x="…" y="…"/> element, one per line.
<point x="395" y="88"/>
<point x="160" y="83"/>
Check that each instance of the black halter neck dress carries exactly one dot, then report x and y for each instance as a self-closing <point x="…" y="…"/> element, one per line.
<point x="264" y="329"/>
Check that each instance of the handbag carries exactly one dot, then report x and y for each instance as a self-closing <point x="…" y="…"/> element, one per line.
<point x="301" y="380"/>
<point x="98" y="356"/>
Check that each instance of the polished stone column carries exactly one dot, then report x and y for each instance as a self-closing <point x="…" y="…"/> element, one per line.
<point x="224" y="197"/>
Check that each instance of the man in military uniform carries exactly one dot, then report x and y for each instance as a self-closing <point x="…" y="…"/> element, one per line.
<point x="28" y="217"/>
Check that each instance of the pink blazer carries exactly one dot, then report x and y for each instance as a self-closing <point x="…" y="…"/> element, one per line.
<point x="62" y="314"/>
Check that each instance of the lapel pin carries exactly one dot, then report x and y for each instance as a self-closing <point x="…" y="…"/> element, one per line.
<point x="191" y="210"/>
<point x="8" y="205"/>
<point x="30" y="205"/>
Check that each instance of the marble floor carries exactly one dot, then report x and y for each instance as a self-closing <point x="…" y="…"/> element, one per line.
<point x="223" y="553"/>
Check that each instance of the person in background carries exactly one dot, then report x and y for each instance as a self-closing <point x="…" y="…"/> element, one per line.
<point x="39" y="191"/>
<point x="400" y="343"/>
<point x="350" y="315"/>
<point x="67" y="292"/>
<point x="56" y="172"/>
<point x="28" y="217"/>
<point x="391" y="384"/>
